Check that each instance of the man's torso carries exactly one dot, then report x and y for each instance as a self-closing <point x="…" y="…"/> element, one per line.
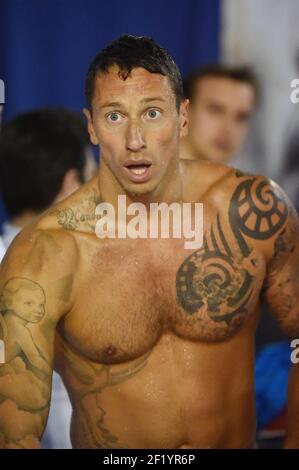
<point x="158" y="348"/>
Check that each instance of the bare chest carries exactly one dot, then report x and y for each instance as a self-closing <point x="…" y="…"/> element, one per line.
<point x="130" y="293"/>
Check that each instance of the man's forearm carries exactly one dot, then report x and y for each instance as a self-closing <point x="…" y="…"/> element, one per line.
<point x="30" y="442"/>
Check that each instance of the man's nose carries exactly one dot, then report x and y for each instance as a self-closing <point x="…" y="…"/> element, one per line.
<point x="135" y="137"/>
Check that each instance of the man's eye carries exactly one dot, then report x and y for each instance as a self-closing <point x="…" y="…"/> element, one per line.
<point x="153" y="113"/>
<point x="27" y="302"/>
<point x="213" y="109"/>
<point x="113" y="117"/>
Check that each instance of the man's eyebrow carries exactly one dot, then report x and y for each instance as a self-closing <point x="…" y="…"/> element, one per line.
<point x="113" y="104"/>
<point x="154" y="98"/>
<point x="116" y="104"/>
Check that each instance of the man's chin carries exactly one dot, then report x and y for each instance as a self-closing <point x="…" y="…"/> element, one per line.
<point x="140" y="189"/>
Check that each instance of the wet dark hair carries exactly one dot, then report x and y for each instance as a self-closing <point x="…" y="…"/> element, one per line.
<point x="129" y="52"/>
<point x="243" y="74"/>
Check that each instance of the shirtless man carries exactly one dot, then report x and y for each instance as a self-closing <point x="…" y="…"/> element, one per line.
<point x="155" y="342"/>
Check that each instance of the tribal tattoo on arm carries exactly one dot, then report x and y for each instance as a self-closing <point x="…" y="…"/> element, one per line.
<point x="218" y="282"/>
<point x="25" y="376"/>
<point x="281" y="287"/>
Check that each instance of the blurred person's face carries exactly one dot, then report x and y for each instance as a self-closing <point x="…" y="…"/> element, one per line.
<point x="72" y="181"/>
<point x="137" y="126"/>
<point x="219" y="117"/>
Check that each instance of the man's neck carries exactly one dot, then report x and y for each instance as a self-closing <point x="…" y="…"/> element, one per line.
<point x="169" y="189"/>
<point x="187" y="151"/>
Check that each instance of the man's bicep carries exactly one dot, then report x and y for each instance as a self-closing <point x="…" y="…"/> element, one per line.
<point x="36" y="291"/>
<point x="25" y="375"/>
<point x="281" y="289"/>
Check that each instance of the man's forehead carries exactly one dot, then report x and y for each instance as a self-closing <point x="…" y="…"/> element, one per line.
<point x="221" y="87"/>
<point x="139" y="83"/>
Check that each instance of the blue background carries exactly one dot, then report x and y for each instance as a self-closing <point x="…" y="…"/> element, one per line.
<point x="46" y="46"/>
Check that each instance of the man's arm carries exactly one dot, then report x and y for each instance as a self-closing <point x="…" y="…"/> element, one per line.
<point x="281" y="288"/>
<point x="281" y="292"/>
<point x="32" y="301"/>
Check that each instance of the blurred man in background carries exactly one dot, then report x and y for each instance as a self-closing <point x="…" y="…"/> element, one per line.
<point x="222" y="100"/>
<point x="45" y="156"/>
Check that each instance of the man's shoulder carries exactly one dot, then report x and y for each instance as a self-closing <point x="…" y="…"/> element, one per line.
<point x="44" y="260"/>
<point x="74" y="214"/>
<point x="41" y="252"/>
<point x="204" y="170"/>
<point x="214" y="178"/>
<point x="206" y="179"/>
<point x="49" y="245"/>
<point x="256" y="207"/>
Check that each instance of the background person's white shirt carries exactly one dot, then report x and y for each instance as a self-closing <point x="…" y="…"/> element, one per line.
<point x="9" y="232"/>
<point x="2" y="249"/>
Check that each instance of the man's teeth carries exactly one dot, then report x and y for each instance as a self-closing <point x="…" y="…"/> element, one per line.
<point x="139" y="171"/>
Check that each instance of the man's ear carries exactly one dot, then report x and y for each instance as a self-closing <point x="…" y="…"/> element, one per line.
<point x="184" y="118"/>
<point x="91" y="130"/>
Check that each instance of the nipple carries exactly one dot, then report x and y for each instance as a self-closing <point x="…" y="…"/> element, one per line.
<point x="110" y="351"/>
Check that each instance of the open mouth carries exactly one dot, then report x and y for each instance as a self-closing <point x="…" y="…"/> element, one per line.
<point x="138" y="171"/>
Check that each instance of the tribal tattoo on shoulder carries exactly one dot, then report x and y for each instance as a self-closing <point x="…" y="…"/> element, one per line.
<point x="257" y="211"/>
<point x="217" y="282"/>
